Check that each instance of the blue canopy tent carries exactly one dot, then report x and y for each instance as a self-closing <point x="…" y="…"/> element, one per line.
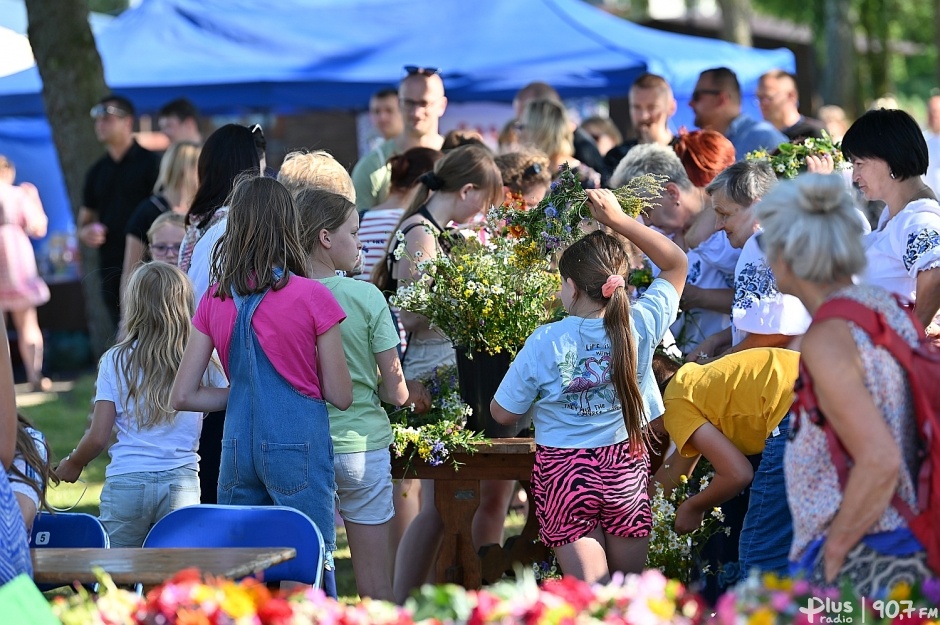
<point x="231" y="56"/>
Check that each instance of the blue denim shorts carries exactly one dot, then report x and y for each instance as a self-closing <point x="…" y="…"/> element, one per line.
<point x="132" y="502"/>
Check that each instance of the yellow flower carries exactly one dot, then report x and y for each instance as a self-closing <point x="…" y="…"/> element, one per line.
<point x="900" y="592"/>
<point x="662" y="607"/>
<point x="236" y="602"/>
<point x="772" y="581"/>
<point x="763" y="616"/>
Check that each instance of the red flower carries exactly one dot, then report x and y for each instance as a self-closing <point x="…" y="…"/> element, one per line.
<point x="574" y="591"/>
<point x="275" y="612"/>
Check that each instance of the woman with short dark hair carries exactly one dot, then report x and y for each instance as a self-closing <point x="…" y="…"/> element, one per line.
<point x="889" y="155"/>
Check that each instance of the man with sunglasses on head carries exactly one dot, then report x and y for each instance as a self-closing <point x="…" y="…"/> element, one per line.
<point x="114" y="186"/>
<point x="716" y="101"/>
<point x="422" y="99"/>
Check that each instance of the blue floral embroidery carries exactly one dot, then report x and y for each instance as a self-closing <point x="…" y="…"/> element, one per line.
<point x="754" y="283"/>
<point x="729" y="279"/>
<point x="695" y="272"/>
<point x="918" y="244"/>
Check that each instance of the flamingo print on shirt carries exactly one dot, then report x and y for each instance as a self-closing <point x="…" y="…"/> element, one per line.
<point x="587" y="386"/>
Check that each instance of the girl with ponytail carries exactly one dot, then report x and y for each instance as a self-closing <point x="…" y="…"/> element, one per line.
<point x="590" y="378"/>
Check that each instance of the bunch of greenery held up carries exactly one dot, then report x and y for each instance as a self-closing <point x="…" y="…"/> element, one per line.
<point x="555" y="222"/>
<point x="789" y="159"/>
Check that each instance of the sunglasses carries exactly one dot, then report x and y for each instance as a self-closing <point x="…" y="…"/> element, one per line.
<point x="258" y="135"/>
<point x="412" y="70"/>
<point x="100" y="110"/>
<point x="699" y="93"/>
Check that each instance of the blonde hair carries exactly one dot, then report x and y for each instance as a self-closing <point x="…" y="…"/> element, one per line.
<point x="178" y="169"/>
<point x="263" y="233"/>
<point x="168" y="218"/>
<point x="548" y="128"/>
<point x="811" y="224"/>
<point x="158" y="306"/>
<point x="315" y="169"/>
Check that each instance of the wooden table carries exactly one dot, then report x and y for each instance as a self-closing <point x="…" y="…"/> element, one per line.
<point x="151" y="566"/>
<point x="457" y="496"/>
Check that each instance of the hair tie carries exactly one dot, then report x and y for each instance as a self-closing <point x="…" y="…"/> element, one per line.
<point x="613" y="283"/>
<point x="432" y="181"/>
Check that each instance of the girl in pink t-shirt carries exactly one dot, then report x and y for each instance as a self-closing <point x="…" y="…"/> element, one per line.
<point x="277" y="334"/>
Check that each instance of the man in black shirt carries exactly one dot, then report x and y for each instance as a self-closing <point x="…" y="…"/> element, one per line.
<point x="114" y="186"/>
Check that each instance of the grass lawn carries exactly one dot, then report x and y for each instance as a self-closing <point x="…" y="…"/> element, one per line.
<point x="63" y="415"/>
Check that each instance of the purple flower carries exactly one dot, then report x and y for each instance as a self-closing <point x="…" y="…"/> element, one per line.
<point x="550" y="211"/>
<point x="931" y="590"/>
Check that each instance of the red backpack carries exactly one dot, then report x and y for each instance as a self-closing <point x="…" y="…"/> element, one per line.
<point x="922" y="365"/>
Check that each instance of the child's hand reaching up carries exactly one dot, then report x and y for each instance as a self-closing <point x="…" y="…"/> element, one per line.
<point x="604" y="206"/>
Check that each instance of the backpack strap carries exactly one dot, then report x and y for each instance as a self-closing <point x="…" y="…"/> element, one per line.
<point x="874" y="324"/>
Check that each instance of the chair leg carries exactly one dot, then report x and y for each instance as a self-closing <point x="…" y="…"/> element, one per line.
<point x="329" y="583"/>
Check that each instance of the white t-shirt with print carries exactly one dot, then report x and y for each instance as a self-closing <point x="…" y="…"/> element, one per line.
<point x="564" y="369"/>
<point x="160" y="448"/>
<point x="758" y="307"/>
<point x="901" y="247"/>
<point x="711" y="266"/>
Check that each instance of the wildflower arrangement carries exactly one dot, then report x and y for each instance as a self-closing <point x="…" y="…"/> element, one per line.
<point x="486" y="298"/>
<point x="790" y="159"/>
<point x="189" y="599"/>
<point x="650" y="599"/>
<point x="555" y="222"/>
<point x="771" y="600"/>
<point x="436" y="435"/>
<point x="669" y="552"/>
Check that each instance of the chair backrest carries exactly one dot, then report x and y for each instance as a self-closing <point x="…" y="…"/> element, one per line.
<point x="68" y="529"/>
<point x="213" y="525"/>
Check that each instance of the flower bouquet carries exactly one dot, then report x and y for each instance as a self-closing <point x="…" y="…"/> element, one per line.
<point x="669" y="552"/>
<point x="436" y="435"/>
<point x="555" y="222"/>
<point x="790" y="158"/>
<point x="485" y="298"/>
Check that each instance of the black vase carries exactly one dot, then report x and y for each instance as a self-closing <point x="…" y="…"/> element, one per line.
<point x="479" y="378"/>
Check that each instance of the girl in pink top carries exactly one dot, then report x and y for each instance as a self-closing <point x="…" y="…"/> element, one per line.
<point x="277" y="334"/>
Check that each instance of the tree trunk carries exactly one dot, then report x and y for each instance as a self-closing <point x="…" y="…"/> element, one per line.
<point x="736" y="21"/>
<point x="73" y="81"/>
<point x="838" y="74"/>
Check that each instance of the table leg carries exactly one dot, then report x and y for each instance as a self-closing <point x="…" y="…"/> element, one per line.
<point x="458" y="563"/>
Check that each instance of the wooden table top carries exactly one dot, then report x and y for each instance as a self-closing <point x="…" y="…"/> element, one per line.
<point x="151" y="566"/>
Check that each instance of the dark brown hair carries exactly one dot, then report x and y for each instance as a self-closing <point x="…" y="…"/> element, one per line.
<point x="407" y="167"/>
<point x="589" y="262"/>
<point x="518" y="169"/>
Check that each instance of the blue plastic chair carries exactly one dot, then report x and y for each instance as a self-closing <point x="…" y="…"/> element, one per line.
<point x="213" y="525"/>
<point x="69" y="530"/>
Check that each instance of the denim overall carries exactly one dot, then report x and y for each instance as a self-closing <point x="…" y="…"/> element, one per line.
<point x="276" y="445"/>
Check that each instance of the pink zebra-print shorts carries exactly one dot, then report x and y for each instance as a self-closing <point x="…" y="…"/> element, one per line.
<point x="577" y="489"/>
